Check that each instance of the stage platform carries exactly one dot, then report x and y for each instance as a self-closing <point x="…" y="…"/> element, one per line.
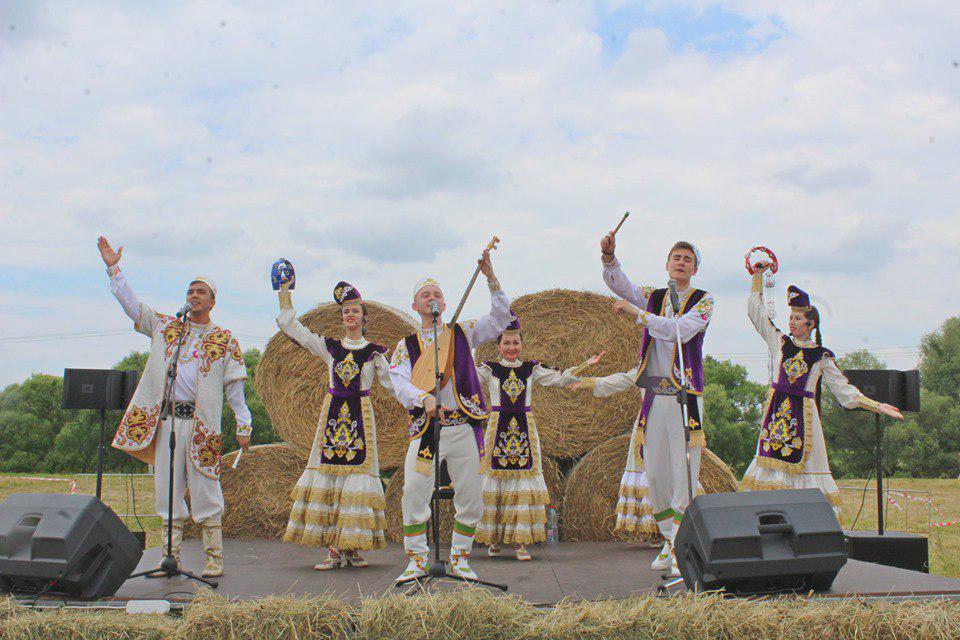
<point x="577" y="571"/>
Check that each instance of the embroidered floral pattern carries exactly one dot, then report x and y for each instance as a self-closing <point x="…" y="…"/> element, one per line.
<point x="171" y="334"/>
<point x="206" y="450"/>
<point x="780" y="435"/>
<point x="704" y="308"/>
<point x="795" y="367"/>
<point x="137" y="426"/>
<point x="400" y="355"/>
<point x="512" y="448"/>
<point x="472" y="404"/>
<point x="236" y="353"/>
<point x="213" y="348"/>
<point x="513" y="386"/>
<point x="347" y="369"/>
<point x="342" y="439"/>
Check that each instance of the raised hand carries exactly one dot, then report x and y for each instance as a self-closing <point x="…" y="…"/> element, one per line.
<point x="890" y="410"/>
<point x="608" y="244"/>
<point x="627" y="309"/>
<point x="110" y="257"/>
<point x="595" y="359"/>
<point x="761" y="267"/>
<point x="486" y="266"/>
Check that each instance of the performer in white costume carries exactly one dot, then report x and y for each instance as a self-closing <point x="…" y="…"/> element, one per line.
<point x="463" y="413"/>
<point x="515" y="496"/>
<point x="658" y="436"/>
<point x="791" y="452"/>
<point x="210" y="365"/>
<point x="338" y="501"/>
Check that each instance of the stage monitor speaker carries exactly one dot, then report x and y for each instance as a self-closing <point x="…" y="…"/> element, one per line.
<point x="60" y="544"/>
<point x="760" y="542"/>
<point x="899" y="388"/>
<point x="106" y="389"/>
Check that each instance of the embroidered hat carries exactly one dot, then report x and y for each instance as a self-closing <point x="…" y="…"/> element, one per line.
<point x="345" y="292"/>
<point x="282" y="271"/>
<point x="207" y="281"/>
<point x="426" y="282"/>
<point x="797" y="297"/>
<point x="514" y="326"/>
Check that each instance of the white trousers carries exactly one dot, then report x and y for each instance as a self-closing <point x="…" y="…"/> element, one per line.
<point x="458" y="446"/>
<point x="665" y="461"/>
<point x="206" y="497"/>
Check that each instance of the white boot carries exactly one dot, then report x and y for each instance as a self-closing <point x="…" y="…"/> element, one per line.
<point x="416" y="568"/>
<point x="177" y="538"/>
<point x="213" y="549"/>
<point x="460" y="566"/>
<point x="664" y="558"/>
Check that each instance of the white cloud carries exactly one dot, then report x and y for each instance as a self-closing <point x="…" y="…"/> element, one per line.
<point x="376" y="143"/>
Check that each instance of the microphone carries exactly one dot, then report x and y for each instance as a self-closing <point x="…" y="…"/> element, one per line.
<point x="434" y="308"/>
<point x="674" y="296"/>
<point x="185" y="309"/>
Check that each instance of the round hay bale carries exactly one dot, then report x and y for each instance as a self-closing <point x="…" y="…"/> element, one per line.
<point x="551" y="476"/>
<point x="590" y="500"/>
<point x="562" y="328"/>
<point x="257" y="492"/>
<point x="291" y="381"/>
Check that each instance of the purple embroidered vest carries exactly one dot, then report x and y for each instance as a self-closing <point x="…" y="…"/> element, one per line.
<point x="692" y="349"/>
<point x="511" y="449"/>
<point x="344" y="433"/>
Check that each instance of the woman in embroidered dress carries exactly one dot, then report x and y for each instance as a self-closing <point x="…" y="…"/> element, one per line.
<point x="791" y="453"/>
<point x="338" y="501"/>
<point x="515" y="496"/>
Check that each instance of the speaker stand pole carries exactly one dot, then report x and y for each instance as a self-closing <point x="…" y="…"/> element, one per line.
<point x="169" y="567"/>
<point x="103" y="427"/>
<point x="879" y="436"/>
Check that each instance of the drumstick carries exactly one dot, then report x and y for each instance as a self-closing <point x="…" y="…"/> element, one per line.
<point x="622" y="220"/>
<point x="237" y="461"/>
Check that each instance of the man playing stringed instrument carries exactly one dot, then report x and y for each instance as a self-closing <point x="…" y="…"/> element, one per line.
<point x="462" y="417"/>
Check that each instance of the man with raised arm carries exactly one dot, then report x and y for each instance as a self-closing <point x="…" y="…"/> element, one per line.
<point x="657" y="446"/>
<point x="210" y="365"/>
<point x="462" y="418"/>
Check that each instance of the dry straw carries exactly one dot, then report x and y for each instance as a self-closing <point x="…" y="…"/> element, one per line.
<point x="551" y="475"/>
<point x="292" y="382"/>
<point x="257" y="494"/>
<point x="562" y="328"/>
<point x="590" y="501"/>
<point x="473" y="613"/>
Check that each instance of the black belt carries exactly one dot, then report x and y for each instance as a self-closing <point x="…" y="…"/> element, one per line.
<point x="658" y="385"/>
<point x="182" y="410"/>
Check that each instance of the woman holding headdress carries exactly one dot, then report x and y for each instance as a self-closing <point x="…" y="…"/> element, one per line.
<point x="791" y="452"/>
<point x="515" y="496"/>
<point x="338" y="501"/>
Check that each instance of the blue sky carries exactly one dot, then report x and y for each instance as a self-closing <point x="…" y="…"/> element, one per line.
<point x="379" y="143"/>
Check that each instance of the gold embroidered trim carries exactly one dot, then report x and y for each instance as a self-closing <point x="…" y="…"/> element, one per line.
<point x="335" y="538"/>
<point x="525" y="498"/>
<point x="749" y="483"/>
<point x="809" y="409"/>
<point x="333" y="496"/>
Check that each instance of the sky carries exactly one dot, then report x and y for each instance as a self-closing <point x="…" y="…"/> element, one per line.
<point x="381" y="142"/>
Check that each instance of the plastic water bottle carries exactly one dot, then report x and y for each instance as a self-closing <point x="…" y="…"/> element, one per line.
<point x="553" y="534"/>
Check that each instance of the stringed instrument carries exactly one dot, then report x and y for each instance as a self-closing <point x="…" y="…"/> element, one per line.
<point x="424" y="374"/>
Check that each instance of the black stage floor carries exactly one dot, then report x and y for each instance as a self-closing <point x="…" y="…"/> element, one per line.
<point x="587" y="571"/>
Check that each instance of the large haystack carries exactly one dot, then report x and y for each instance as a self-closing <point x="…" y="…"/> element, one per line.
<point x="590" y="501"/>
<point x="562" y="328"/>
<point x="394" y="492"/>
<point x="292" y="381"/>
<point x="257" y="492"/>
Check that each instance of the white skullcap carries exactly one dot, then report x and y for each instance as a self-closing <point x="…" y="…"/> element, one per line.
<point x="426" y="282"/>
<point x="207" y="281"/>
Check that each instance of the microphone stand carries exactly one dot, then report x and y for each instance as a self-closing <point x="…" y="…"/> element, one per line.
<point x="169" y="567"/>
<point x="438" y="568"/>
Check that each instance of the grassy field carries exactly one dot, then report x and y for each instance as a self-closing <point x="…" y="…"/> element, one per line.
<point x="905" y="515"/>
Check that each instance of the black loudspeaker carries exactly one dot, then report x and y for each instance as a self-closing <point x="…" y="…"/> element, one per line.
<point x="60" y="544"/>
<point x="893" y="549"/>
<point x="899" y="388"/>
<point x="760" y="542"/>
<point x="97" y="388"/>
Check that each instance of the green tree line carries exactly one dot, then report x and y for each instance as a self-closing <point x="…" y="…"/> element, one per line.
<point x="37" y="435"/>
